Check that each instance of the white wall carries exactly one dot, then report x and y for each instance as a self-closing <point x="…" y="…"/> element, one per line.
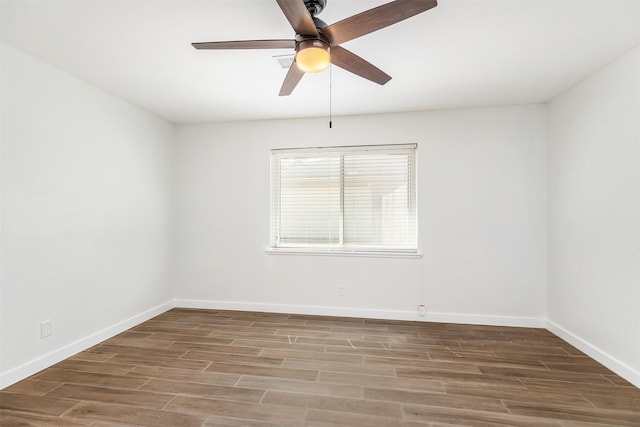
<point x="86" y="214"/>
<point x="481" y="214"/>
<point x="594" y="215"/>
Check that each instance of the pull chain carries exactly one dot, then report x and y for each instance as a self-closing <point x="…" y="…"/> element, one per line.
<point x="330" y="92"/>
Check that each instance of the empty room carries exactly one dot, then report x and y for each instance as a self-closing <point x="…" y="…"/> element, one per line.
<point x="320" y="213"/>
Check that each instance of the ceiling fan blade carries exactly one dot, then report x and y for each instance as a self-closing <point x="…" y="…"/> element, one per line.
<point x="247" y="44"/>
<point x="349" y="61"/>
<point x="375" y="19"/>
<point x="291" y="80"/>
<point x="298" y="16"/>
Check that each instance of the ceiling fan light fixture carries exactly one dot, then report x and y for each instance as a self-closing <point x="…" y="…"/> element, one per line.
<point x="312" y="56"/>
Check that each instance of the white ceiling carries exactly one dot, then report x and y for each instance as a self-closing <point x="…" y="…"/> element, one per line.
<point x="463" y="53"/>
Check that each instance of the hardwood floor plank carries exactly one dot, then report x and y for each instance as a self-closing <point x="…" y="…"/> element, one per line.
<point x="110" y="395"/>
<point x="467" y="417"/>
<point x="202" y="345"/>
<point x="147" y="372"/>
<point x="90" y="378"/>
<point x="21" y="419"/>
<point x="39" y="405"/>
<point x="340" y="367"/>
<point x="32" y="387"/>
<point x="111" y="367"/>
<point x="364" y="380"/>
<point x="262" y="360"/>
<point x="264" y="371"/>
<point x="134" y="340"/>
<point x="108" y="424"/>
<point x="338" y="404"/>
<point x="447" y="376"/>
<point x="313" y="355"/>
<point x="283" y="415"/>
<point x="132" y="415"/>
<point x="216" y="421"/>
<point x="290" y="328"/>
<point x="298" y="386"/>
<point x="525" y="358"/>
<point x="107" y="347"/>
<point x="436" y="399"/>
<point x="525" y="395"/>
<point x="454" y="366"/>
<point x="207" y="339"/>
<point x="621" y="418"/>
<point x="90" y="356"/>
<point x="579" y="387"/>
<point x="484" y="359"/>
<point x="615" y="379"/>
<point x="379" y="352"/>
<point x="409" y="337"/>
<point x="546" y="374"/>
<point x="234" y="332"/>
<point x="630" y="403"/>
<point x="204" y="390"/>
<point x="169" y="362"/>
<point x="323" y="418"/>
<point x="155" y="329"/>
<point x="282" y="343"/>
<point x="590" y="367"/>
<point x="350" y="342"/>
<point x="173" y="324"/>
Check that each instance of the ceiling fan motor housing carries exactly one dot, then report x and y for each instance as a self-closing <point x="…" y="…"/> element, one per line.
<point x="315" y="6"/>
<point x="312" y="42"/>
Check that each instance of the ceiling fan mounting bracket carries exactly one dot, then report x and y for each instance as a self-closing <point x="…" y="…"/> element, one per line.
<point x="315" y="6"/>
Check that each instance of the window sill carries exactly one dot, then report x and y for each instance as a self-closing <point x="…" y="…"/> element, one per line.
<point x="354" y="253"/>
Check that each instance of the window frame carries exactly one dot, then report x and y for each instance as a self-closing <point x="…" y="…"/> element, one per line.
<point x="338" y="250"/>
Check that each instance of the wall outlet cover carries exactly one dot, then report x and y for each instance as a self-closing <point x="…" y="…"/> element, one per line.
<point x="46" y="328"/>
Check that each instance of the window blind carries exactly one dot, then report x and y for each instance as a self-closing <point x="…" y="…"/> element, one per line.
<point x="344" y="198"/>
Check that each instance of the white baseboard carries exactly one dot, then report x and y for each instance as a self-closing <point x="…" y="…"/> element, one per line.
<point x="489" y="320"/>
<point x="29" y="368"/>
<point x="625" y="371"/>
<point x="531" y="322"/>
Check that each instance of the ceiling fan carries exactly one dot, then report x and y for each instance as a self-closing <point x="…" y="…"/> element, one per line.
<point x="317" y="44"/>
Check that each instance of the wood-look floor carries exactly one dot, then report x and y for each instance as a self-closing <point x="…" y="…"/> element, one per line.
<point x="223" y="368"/>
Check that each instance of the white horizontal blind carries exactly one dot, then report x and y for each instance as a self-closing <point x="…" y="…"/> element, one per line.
<point x="344" y="198"/>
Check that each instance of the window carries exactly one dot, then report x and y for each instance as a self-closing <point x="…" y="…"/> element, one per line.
<point x="344" y="199"/>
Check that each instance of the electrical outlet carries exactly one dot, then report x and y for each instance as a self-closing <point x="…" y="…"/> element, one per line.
<point x="46" y="329"/>
<point x="422" y="310"/>
<point x="340" y="291"/>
